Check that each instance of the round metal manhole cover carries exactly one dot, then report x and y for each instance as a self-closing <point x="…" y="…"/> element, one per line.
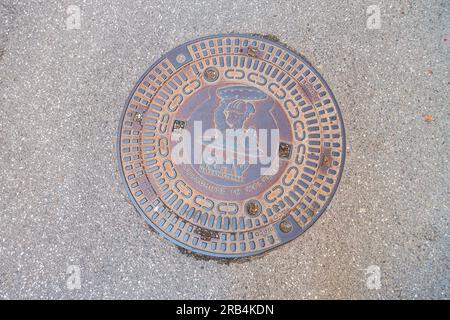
<point x="231" y="145"/>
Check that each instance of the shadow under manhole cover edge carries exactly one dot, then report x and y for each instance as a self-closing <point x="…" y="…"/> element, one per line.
<point x="231" y="81"/>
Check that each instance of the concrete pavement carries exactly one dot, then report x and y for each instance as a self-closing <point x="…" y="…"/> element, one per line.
<point x="61" y="201"/>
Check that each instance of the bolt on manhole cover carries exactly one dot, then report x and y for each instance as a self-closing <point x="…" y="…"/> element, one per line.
<point x="231" y="145"/>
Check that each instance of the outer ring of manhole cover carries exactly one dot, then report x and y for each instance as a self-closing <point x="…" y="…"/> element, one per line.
<point x="240" y="82"/>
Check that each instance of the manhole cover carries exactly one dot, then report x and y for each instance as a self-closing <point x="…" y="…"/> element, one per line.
<point x="182" y="129"/>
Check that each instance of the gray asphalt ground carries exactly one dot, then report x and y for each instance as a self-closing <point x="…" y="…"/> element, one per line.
<point x="61" y="199"/>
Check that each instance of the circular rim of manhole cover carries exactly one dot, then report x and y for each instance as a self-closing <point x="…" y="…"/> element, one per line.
<point x="231" y="210"/>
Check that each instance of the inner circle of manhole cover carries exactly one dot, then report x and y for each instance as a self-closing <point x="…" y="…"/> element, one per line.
<point x="231" y="145"/>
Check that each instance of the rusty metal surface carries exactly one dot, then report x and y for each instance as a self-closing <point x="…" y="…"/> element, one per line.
<point x="218" y="213"/>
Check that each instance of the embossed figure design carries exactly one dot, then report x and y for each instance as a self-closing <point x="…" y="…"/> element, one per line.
<point x="231" y="82"/>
